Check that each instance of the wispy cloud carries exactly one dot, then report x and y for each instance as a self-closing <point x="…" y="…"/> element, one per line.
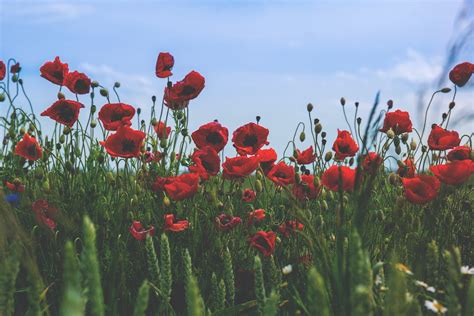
<point x="46" y="11"/>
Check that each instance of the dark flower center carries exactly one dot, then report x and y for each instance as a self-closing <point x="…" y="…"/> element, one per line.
<point x="66" y="113"/>
<point x="213" y="138"/>
<point x="31" y="150"/>
<point x="263" y="243"/>
<point x="167" y="67"/>
<point x="280" y="174"/>
<point x="58" y="74"/>
<point x="81" y="85"/>
<point x="116" y="116"/>
<point x="225" y="220"/>
<point x="206" y="165"/>
<point x="128" y="145"/>
<point x="187" y="90"/>
<point x="250" y="140"/>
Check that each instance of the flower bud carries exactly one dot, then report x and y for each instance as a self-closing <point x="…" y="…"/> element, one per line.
<point x="445" y="90"/>
<point x="259" y="175"/>
<point x="309" y="107"/>
<point x="452" y="105"/>
<point x="139" y="111"/>
<point x="444" y="116"/>
<point x="302" y="136"/>
<point x="390" y="134"/>
<point x="318" y="128"/>
<point x="359" y="120"/>
<point x="163" y="143"/>
<point x="46" y="186"/>
<point x="94" y="84"/>
<point x="179" y="115"/>
<point x="153" y="98"/>
<point x="297" y="178"/>
<point x="2" y="97"/>
<point x="66" y="130"/>
<point x="404" y="138"/>
<point x="257" y="118"/>
<point x="62" y="139"/>
<point x="323" y="134"/>
<point x="184" y="132"/>
<point x="258" y="185"/>
<point x="93" y="123"/>
<point x="104" y="92"/>
<point x="390" y="104"/>
<point x="398" y="150"/>
<point x="22" y="131"/>
<point x="61" y="96"/>
<point x="15" y="78"/>
<point x="424" y="148"/>
<point x="117" y="84"/>
<point x="317" y="181"/>
<point x="93" y="109"/>
<point x="343" y="101"/>
<point x="413" y="144"/>
<point x="166" y="201"/>
<point x="328" y="156"/>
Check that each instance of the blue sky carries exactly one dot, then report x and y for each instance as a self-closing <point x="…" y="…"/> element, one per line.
<point x="267" y="58"/>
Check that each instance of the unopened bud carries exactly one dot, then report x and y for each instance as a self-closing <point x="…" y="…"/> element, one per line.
<point x="452" y="105"/>
<point x="398" y="150"/>
<point x="318" y="128"/>
<point x="359" y="120"/>
<point x="424" y="148"/>
<point x="324" y="205"/>
<point x="94" y="84"/>
<point x="61" y="96"/>
<point x="302" y="136"/>
<point x="166" y="201"/>
<point x="2" y="97"/>
<point x="93" y="123"/>
<point x="309" y="107"/>
<point x="163" y="143"/>
<point x="390" y="134"/>
<point x="62" y="139"/>
<point x="317" y="181"/>
<point x="153" y="98"/>
<point x="390" y="104"/>
<point x="413" y="144"/>
<point x="93" y="109"/>
<point x="104" y="92"/>
<point x="445" y="90"/>
<point x="328" y="156"/>
<point x="404" y="138"/>
<point x="258" y="185"/>
<point x="343" y="101"/>
<point x="66" y="130"/>
<point x="117" y="84"/>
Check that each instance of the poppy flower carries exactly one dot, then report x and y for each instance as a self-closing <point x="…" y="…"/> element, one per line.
<point x="421" y="188"/>
<point x="159" y="183"/>
<point x="178" y="95"/>
<point x="398" y="121"/>
<point x="173" y="225"/>
<point x="149" y="156"/>
<point x="113" y="115"/>
<point x="164" y="64"/>
<point x="162" y="131"/>
<point x="267" y="158"/>
<point x="306" y="156"/>
<point x="28" y="148"/>
<point x="289" y="227"/>
<point x="306" y="189"/>
<point x="344" y="145"/>
<point x="182" y="187"/>
<point x="408" y="170"/>
<point x="442" y="139"/>
<point x="206" y="162"/>
<point x="371" y="163"/>
<point x="248" y="195"/>
<point x="461" y="73"/>
<point x="212" y="134"/>
<point x="15" y="68"/>
<point x="3" y="70"/>
<point x="77" y="82"/>
<point x="455" y="172"/>
<point x="125" y="143"/>
<point x="459" y="153"/>
<point x="140" y="233"/>
<point x="239" y="167"/>
<point x="282" y="174"/>
<point x="256" y="216"/>
<point x="263" y="242"/>
<point x="44" y="213"/>
<point x="64" y="111"/>
<point x="335" y="174"/>
<point x="249" y="138"/>
<point x="54" y="71"/>
<point x="226" y="222"/>
<point x="15" y="186"/>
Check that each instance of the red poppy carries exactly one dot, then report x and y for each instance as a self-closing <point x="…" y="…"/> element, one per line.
<point x="441" y="139"/>
<point x="226" y="222"/>
<point x="263" y="242"/>
<point x="256" y="216"/>
<point x="282" y="174"/>
<point x="289" y="227"/>
<point x="267" y="158"/>
<point x="44" y="213"/>
<point x="408" y="170"/>
<point x="455" y="172"/>
<point x="162" y="131"/>
<point x="371" y="163"/>
<point x="421" y="188"/>
<point x="335" y="174"/>
<point x="28" y="148"/>
<point x="306" y="156"/>
<point x="460" y="153"/>
<point x="461" y="73"/>
<point x="306" y="189"/>
<point x="212" y="134"/>
<point x="126" y="142"/>
<point x="15" y="68"/>
<point x="113" y="115"/>
<point x="77" y="82"/>
<point x="179" y="94"/>
<point x="140" y="233"/>
<point x="3" y="70"/>
<point x="173" y="225"/>
<point x="344" y="145"/>
<point x="149" y="156"/>
<point x="15" y="186"/>
<point x="64" y="111"/>
<point x="164" y="64"/>
<point x="183" y="186"/>
<point x="160" y="182"/>
<point x="248" y="195"/>
<point x="54" y="71"/>
<point x="239" y="167"/>
<point x="206" y="162"/>
<point x="249" y="138"/>
<point x="398" y="121"/>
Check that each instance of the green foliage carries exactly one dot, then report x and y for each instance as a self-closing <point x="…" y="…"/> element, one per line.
<point x="229" y="277"/>
<point x="10" y="267"/>
<point x="317" y="298"/>
<point x="259" y="285"/>
<point x="271" y="304"/>
<point x="142" y="299"/>
<point x="152" y="261"/>
<point x="72" y="302"/>
<point x="165" y="261"/>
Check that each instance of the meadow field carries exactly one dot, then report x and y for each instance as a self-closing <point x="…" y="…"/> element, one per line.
<point x="123" y="214"/>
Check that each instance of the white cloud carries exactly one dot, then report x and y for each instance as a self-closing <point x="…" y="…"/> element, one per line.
<point x="46" y="11"/>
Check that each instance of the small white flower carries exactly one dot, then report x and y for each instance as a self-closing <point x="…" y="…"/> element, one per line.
<point x="426" y="286"/>
<point x="467" y="270"/>
<point x="403" y="268"/>
<point x="435" y="306"/>
<point x="287" y="269"/>
<point x="378" y="280"/>
<point x="431" y="289"/>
